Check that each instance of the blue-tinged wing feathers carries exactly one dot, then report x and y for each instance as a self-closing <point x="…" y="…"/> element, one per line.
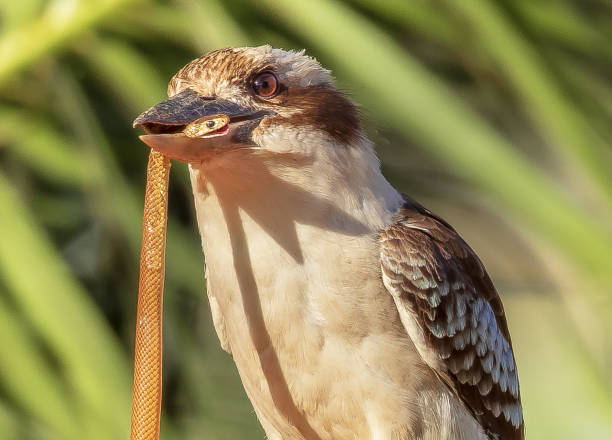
<point x="440" y="284"/>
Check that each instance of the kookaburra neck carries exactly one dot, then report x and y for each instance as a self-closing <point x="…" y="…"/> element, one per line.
<point x="337" y="187"/>
<point x="350" y="311"/>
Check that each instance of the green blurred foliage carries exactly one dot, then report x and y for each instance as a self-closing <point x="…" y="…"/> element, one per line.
<point x="496" y="114"/>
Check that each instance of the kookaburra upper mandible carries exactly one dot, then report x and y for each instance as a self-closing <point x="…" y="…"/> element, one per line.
<point x="351" y="311"/>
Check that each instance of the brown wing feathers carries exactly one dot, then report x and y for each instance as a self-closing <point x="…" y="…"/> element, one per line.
<point x="446" y="289"/>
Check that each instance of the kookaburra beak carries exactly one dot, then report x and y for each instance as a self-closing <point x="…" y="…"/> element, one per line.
<point x="167" y="125"/>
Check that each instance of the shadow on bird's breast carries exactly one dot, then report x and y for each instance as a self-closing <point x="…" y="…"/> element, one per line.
<point x="278" y="205"/>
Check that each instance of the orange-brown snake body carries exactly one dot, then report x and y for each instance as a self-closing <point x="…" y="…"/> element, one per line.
<point x="147" y="393"/>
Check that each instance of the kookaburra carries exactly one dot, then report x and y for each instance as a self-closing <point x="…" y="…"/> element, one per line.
<point x="351" y="311"/>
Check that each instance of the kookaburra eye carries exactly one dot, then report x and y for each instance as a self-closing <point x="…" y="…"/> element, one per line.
<point x="265" y="84"/>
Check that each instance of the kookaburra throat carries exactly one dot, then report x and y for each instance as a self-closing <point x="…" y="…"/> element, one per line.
<point x="350" y="310"/>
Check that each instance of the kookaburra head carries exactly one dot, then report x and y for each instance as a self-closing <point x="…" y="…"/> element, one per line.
<point x="276" y="100"/>
<point x="350" y="310"/>
<point x="286" y="120"/>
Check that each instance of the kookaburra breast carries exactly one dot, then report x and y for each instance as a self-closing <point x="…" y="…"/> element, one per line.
<point x="351" y="311"/>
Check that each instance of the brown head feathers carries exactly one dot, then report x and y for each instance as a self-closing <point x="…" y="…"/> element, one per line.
<point x="306" y="96"/>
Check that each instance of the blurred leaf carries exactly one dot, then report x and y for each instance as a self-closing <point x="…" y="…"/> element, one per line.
<point x="594" y="92"/>
<point x="14" y="14"/>
<point x="43" y="148"/>
<point x="421" y="15"/>
<point x="556" y="116"/>
<point x="30" y="378"/>
<point x="160" y="22"/>
<point x="563" y="386"/>
<point x="133" y="78"/>
<point x="211" y="25"/>
<point x="63" y="314"/>
<point x="62" y="20"/>
<point x="561" y="22"/>
<point x="9" y="423"/>
<point x="58" y="211"/>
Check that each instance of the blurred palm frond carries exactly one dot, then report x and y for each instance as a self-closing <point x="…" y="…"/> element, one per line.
<point x="496" y="114"/>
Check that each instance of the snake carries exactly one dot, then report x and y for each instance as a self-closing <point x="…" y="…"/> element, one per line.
<point x="147" y="389"/>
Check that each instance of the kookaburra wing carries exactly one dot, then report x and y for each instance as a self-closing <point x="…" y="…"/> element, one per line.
<point x="349" y="312"/>
<point x="453" y="313"/>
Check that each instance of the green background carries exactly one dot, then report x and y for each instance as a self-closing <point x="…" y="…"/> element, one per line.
<point x="497" y="115"/>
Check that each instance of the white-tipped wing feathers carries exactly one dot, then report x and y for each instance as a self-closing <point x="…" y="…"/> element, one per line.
<point x="454" y="316"/>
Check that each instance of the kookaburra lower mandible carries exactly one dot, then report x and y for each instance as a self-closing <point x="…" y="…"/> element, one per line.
<point x="351" y="311"/>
